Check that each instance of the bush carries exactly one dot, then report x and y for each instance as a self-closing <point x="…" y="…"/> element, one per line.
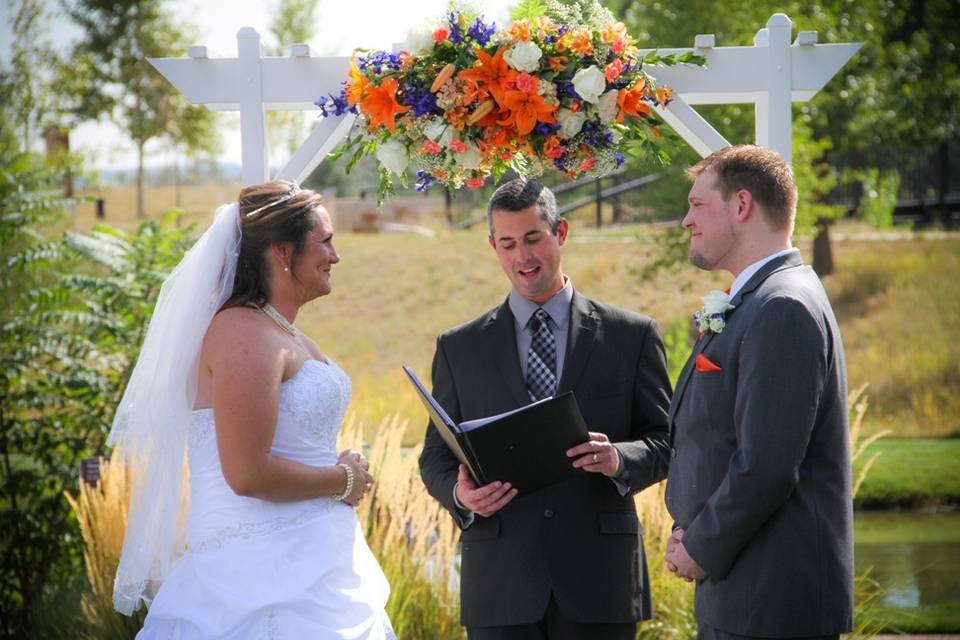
<point x="75" y="311"/>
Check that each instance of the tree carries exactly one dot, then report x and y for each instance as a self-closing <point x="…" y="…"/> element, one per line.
<point x="293" y="22"/>
<point x="31" y="60"/>
<point x="118" y="39"/>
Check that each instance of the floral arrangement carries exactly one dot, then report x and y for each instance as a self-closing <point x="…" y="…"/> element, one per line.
<point x="561" y="88"/>
<point x="712" y="315"/>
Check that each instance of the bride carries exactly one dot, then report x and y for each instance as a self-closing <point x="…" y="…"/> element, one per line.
<point x="227" y="386"/>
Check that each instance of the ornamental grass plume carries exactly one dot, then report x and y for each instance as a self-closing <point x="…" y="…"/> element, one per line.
<point x="101" y="511"/>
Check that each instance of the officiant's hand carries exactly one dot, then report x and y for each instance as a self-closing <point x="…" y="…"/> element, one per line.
<point x="597" y="455"/>
<point x="485" y="500"/>
<point x="679" y="561"/>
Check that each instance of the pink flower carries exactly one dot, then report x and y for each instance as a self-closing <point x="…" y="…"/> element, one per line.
<point x="526" y="82"/>
<point x="587" y="164"/>
<point x="618" y="45"/>
<point x="613" y="70"/>
<point x="441" y="34"/>
<point x="457" y="146"/>
<point x="575" y="106"/>
<point x="475" y="183"/>
<point x="431" y="147"/>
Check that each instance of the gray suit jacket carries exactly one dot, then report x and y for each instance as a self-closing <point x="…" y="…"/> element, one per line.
<point x="760" y="476"/>
<point x="580" y="539"/>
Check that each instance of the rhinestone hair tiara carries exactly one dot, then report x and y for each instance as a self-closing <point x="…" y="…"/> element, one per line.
<point x="294" y="190"/>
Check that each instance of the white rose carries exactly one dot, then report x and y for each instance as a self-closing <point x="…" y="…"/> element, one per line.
<point x="570" y="122"/>
<point x="469" y="159"/>
<point x="524" y="56"/>
<point x="589" y="83"/>
<point x="393" y="155"/>
<point x="418" y="39"/>
<point x="608" y="106"/>
<point x="716" y="302"/>
<point x="717" y="325"/>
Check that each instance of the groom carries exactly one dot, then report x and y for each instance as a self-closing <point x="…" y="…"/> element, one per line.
<point x="566" y="561"/>
<point x="759" y="485"/>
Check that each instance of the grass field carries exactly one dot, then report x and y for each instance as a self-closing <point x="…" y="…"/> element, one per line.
<point x="911" y="472"/>
<point x="898" y="303"/>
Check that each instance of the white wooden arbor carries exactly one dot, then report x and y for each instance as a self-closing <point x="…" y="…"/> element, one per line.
<point x="771" y="74"/>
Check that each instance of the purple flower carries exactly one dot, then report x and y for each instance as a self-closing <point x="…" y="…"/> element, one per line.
<point x="332" y="105"/>
<point x="546" y="129"/>
<point x="379" y="61"/>
<point x="480" y="32"/>
<point x="456" y="35"/>
<point x="565" y="88"/>
<point x="420" y="99"/>
<point x="424" y="180"/>
<point x="619" y="158"/>
<point x="558" y="163"/>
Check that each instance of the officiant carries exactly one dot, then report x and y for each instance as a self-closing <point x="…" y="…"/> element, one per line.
<point x="566" y="561"/>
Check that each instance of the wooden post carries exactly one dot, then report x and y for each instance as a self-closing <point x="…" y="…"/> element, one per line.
<point x="597" y="192"/>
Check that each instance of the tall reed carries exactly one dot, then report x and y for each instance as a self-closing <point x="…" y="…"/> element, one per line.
<point x="414" y="539"/>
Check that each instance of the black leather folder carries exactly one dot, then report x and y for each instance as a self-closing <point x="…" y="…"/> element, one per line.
<point x="526" y="447"/>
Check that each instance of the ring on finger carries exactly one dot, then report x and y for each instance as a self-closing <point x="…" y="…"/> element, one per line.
<point x="594" y="458"/>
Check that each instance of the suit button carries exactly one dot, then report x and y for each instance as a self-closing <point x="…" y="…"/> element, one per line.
<point x="548" y="513"/>
<point x="673" y="452"/>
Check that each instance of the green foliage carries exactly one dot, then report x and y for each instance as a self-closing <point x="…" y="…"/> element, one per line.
<point x="74" y="313"/>
<point x="117" y="42"/>
<point x="879" y="196"/>
<point x="912" y="472"/>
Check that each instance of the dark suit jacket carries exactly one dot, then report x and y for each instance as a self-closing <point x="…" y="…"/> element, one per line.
<point x="579" y="539"/>
<point x="760" y="478"/>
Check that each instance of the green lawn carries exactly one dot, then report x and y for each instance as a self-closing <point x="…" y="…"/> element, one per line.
<point x="911" y="472"/>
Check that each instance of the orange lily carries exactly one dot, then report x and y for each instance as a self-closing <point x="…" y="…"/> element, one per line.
<point x="381" y="106"/>
<point x="358" y="86"/>
<point x="631" y="102"/>
<point x="520" y="30"/>
<point x="527" y="108"/>
<point x="492" y="73"/>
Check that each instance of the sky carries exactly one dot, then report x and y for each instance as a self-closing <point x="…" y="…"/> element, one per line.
<point x="341" y="26"/>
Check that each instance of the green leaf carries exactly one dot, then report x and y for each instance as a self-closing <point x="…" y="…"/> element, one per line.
<point x="528" y="9"/>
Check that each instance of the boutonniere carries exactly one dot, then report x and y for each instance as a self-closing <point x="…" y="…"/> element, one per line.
<point x="711" y="316"/>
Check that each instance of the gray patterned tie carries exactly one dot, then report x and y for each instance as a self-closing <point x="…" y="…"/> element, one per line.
<point x="541" y="357"/>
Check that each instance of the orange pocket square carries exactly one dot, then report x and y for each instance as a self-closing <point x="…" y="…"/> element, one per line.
<point x="705" y="365"/>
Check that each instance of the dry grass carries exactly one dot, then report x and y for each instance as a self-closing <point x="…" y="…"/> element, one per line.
<point x="898" y="303"/>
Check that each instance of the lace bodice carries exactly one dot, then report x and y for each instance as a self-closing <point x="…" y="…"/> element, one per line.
<point x="312" y="406"/>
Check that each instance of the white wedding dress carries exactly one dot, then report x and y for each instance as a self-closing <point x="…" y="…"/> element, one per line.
<point x="258" y="569"/>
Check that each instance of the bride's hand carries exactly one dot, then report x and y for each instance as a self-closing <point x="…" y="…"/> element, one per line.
<point x="362" y="480"/>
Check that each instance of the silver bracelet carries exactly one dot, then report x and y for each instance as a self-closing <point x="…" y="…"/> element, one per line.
<point x="340" y="497"/>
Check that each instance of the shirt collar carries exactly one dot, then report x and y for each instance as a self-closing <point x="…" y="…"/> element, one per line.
<point x="558" y="307"/>
<point x="748" y="273"/>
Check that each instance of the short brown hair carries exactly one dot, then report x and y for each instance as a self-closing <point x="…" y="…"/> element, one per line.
<point x="762" y="172"/>
<point x="287" y="220"/>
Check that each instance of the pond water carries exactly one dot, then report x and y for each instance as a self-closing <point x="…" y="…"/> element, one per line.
<point x="914" y="556"/>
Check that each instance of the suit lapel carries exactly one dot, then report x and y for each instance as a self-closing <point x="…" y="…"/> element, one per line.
<point x="501" y="340"/>
<point x="786" y="261"/>
<point x="584" y="323"/>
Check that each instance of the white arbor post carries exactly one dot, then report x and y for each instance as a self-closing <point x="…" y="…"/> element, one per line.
<point x="772" y="74"/>
<point x="253" y="84"/>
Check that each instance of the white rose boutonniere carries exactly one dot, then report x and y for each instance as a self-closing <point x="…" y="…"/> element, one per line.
<point x="711" y="316"/>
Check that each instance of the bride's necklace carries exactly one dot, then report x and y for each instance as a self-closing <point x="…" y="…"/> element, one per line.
<point x="277" y="317"/>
